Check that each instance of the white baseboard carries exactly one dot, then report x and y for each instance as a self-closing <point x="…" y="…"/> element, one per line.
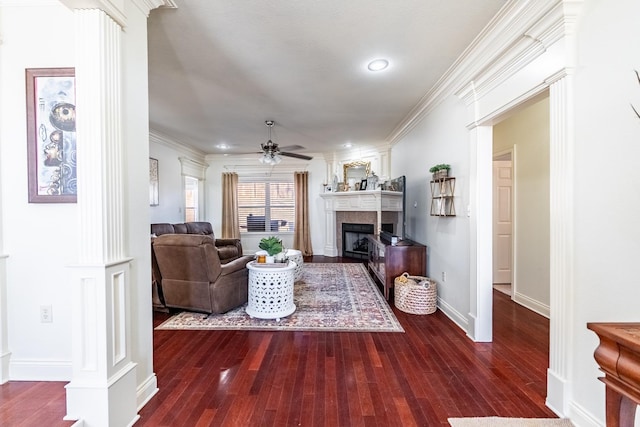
<point x="455" y="316"/>
<point x="39" y="370"/>
<point x="533" y="305"/>
<point x="147" y="390"/>
<point x="580" y="417"/>
<point x="4" y="367"/>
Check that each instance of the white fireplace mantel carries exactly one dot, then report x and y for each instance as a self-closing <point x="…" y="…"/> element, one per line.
<point x="356" y="201"/>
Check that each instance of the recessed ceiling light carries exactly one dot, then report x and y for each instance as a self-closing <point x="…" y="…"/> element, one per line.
<point x="378" y="65"/>
<point x="222" y="146"/>
<point x="348" y="145"/>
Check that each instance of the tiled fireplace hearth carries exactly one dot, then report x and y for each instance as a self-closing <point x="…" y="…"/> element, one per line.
<point x="374" y="207"/>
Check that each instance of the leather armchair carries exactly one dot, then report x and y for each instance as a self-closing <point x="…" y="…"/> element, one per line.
<point x="193" y="276"/>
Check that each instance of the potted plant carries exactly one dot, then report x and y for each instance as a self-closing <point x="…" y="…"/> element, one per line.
<point x="440" y="171"/>
<point x="272" y="245"/>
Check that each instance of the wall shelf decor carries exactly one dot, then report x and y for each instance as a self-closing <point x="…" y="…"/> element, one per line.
<point x="442" y="191"/>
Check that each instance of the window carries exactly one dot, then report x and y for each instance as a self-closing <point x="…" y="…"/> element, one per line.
<point x="266" y="206"/>
<point x="191" y="186"/>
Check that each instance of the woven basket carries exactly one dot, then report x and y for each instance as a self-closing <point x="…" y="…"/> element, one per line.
<point x="415" y="294"/>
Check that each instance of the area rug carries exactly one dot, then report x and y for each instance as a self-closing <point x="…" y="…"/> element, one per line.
<point x="509" y="422"/>
<point x="328" y="297"/>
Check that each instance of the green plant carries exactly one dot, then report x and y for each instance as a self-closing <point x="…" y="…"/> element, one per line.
<point x="272" y="245"/>
<point x="441" y="166"/>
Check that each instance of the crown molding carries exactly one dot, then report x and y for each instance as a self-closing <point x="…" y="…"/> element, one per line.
<point x="114" y="8"/>
<point x="520" y="32"/>
<point x="29" y="3"/>
<point x="146" y="6"/>
<point x="193" y="153"/>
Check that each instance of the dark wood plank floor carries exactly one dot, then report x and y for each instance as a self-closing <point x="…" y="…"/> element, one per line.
<point x="249" y="378"/>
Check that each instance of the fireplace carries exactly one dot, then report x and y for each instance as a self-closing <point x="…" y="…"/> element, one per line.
<point x="354" y="240"/>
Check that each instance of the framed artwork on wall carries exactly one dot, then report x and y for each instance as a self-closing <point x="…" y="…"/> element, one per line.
<point x="153" y="182"/>
<point x="51" y="135"/>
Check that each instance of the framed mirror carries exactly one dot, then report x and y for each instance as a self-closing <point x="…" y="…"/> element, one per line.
<point x="356" y="171"/>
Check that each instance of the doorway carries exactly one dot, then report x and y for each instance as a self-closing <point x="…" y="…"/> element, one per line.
<point x="521" y="204"/>
<point x="503" y="222"/>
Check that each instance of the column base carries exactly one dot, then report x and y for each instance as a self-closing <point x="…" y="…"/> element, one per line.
<point x="99" y="404"/>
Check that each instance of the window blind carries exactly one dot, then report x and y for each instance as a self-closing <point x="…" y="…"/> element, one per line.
<point x="265" y="205"/>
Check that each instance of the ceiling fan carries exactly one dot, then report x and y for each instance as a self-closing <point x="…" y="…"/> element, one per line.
<point x="271" y="154"/>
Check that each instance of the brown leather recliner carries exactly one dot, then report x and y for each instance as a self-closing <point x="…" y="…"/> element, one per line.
<point x="193" y="278"/>
<point x="228" y="249"/>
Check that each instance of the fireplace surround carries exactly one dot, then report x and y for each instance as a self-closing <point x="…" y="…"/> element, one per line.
<point x="375" y="207"/>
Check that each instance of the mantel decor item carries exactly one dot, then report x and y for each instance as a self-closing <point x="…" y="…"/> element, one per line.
<point x="51" y="135"/>
<point x="440" y="171"/>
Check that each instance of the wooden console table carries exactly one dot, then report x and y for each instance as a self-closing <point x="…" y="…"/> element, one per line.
<point x="387" y="261"/>
<point x="618" y="356"/>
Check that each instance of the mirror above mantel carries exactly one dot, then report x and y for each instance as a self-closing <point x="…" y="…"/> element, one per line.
<point x="357" y="171"/>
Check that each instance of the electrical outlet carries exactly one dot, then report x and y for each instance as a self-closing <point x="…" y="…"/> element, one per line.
<point x="444" y="276"/>
<point x="46" y="314"/>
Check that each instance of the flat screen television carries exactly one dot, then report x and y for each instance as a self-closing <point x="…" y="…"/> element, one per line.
<point x="399" y="184"/>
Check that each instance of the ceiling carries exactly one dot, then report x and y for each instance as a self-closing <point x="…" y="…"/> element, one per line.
<point x="219" y="68"/>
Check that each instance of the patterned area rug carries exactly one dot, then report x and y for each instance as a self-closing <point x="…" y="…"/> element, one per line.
<point x="509" y="422"/>
<point x="328" y="297"/>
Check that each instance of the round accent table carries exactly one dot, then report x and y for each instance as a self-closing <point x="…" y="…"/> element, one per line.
<point x="296" y="256"/>
<point x="271" y="290"/>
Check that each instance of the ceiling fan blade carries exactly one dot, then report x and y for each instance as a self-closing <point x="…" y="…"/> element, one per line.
<point x="297" y="156"/>
<point x="292" y="148"/>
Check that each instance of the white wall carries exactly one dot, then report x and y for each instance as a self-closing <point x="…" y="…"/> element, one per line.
<point x="606" y="207"/>
<point x="40" y="239"/>
<point x="528" y="130"/>
<point x="171" y="203"/>
<point x="440" y="138"/>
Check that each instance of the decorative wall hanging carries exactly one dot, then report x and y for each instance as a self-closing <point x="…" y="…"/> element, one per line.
<point x="51" y="135"/>
<point x="153" y="182"/>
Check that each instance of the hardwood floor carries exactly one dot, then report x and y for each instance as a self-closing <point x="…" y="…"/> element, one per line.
<point x="250" y="378"/>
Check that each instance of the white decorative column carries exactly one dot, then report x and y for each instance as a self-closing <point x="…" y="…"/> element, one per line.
<point x="330" y="248"/>
<point x="102" y="391"/>
<point x="480" y="234"/>
<point x="561" y="242"/>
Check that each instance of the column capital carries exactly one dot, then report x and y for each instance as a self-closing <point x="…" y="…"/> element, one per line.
<point x="116" y="9"/>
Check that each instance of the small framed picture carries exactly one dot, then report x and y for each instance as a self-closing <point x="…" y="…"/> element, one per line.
<point x="363" y="184"/>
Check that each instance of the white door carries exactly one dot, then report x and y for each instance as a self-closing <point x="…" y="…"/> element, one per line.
<point x="502" y="221"/>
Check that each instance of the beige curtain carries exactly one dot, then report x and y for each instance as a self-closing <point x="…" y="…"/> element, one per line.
<point x="230" y="225"/>
<point x="302" y="235"/>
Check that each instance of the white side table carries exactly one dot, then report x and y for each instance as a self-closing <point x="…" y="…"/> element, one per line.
<point x="271" y="290"/>
<point x="296" y="256"/>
